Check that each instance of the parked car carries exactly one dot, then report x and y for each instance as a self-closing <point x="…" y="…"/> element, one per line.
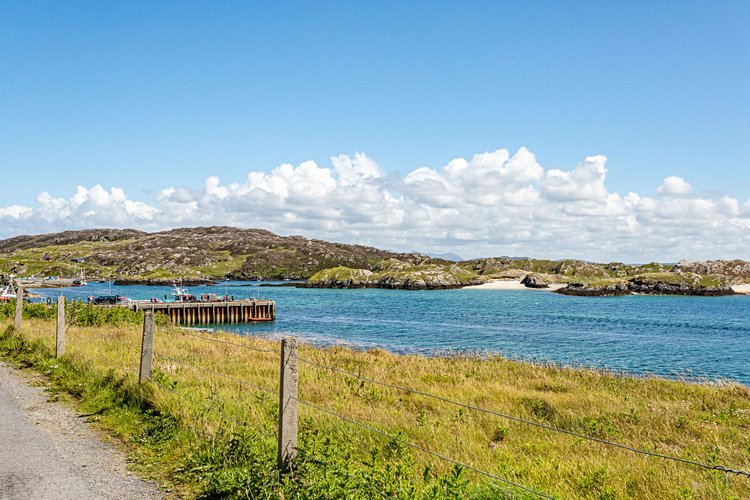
<point x="108" y="299"/>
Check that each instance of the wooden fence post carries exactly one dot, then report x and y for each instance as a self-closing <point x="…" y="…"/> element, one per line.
<point x="288" y="404"/>
<point x="60" y="332"/>
<point x="19" y="307"/>
<point x="147" y="347"/>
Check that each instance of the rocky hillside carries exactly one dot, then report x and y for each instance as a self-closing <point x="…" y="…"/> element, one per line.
<point x="67" y="238"/>
<point x="396" y="274"/>
<point x="669" y="283"/>
<point x="191" y="254"/>
<point x="736" y="271"/>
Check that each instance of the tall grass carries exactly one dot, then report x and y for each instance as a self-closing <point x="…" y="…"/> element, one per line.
<point x="210" y="439"/>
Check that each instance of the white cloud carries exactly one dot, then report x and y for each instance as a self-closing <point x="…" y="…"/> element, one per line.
<point x="675" y="186"/>
<point x="15" y="212"/>
<point x="494" y="203"/>
<point x="585" y="182"/>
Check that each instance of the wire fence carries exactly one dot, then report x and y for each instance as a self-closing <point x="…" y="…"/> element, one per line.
<point x="542" y="425"/>
<point x="422" y="448"/>
<point x="342" y="417"/>
<point x="212" y="408"/>
<point x="235" y="344"/>
<point x="147" y="351"/>
<point x="410" y="390"/>
<point x="208" y="371"/>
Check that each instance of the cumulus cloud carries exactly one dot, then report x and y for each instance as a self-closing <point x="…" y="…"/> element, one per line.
<point x="585" y="182"/>
<point x="493" y="203"/>
<point x="675" y="186"/>
<point x="15" y="212"/>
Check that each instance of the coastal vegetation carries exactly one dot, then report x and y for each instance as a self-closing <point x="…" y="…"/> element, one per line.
<point x="393" y="273"/>
<point x="210" y="254"/>
<point x="200" y="428"/>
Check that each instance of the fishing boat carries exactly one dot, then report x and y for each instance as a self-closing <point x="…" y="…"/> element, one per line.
<point x="181" y="294"/>
<point x="81" y="281"/>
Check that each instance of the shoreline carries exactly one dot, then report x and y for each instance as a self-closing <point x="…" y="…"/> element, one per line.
<point x="506" y="285"/>
<point x="514" y="285"/>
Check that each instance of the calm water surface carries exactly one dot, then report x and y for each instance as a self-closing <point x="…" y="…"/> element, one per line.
<point x="669" y="336"/>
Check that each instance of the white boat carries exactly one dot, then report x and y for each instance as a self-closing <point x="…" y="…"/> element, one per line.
<point x="181" y="294"/>
<point x="7" y="293"/>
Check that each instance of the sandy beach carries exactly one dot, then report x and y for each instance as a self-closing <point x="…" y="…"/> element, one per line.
<point x="513" y="285"/>
<point x="743" y="289"/>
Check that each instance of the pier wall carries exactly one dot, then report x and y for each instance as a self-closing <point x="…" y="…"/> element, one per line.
<point x="212" y="313"/>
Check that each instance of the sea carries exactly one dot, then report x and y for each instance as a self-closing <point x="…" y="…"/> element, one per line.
<point x="694" y="338"/>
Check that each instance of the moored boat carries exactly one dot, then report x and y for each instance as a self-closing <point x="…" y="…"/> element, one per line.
<point x="7" y="293"/>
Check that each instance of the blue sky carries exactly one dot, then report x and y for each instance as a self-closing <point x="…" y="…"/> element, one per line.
<point x="148" y="95"/>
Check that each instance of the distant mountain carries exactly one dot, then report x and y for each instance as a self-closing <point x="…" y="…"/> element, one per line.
<point x="446" y="256"/>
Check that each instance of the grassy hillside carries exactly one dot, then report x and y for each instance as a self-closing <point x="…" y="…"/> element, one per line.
<point x="180" y="437"/>
<point x="203" y="253"/>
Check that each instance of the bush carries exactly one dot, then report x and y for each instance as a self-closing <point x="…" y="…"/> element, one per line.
<point x="30" y="311"/>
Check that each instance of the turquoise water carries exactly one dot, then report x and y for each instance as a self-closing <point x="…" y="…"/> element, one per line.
<point x="704" y="337"/>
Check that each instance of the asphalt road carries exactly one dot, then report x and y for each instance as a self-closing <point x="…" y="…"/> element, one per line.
<point x="47" y="451"/>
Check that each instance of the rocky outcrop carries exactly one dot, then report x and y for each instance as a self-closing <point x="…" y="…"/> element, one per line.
<point x="737" y="271"/>
<point x="647" y="287"/>
<point x="393" y="274"/>
<point x="342" y="277"/>
<point x="596" y="290"/>
<point x="654" y="284"/>
<point x="535" y="280"/>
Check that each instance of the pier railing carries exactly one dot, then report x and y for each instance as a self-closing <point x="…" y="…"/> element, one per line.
<point x="154" y="367"/>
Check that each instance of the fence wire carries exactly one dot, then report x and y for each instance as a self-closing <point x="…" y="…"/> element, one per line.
<point x="209" y="407"/>
<point x="214" y="372"/>
<point x="106" y="338"/>
<point x="256" y="349"/>
<point x="720" y="468"/>
<point x="423" y="449"/>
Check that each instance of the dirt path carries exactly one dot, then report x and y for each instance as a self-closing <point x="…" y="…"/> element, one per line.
<point x="47" y="451"/>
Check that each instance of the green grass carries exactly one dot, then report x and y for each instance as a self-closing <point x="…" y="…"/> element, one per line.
<point x="197" y="453"/>
<point x="226" y="264"/>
